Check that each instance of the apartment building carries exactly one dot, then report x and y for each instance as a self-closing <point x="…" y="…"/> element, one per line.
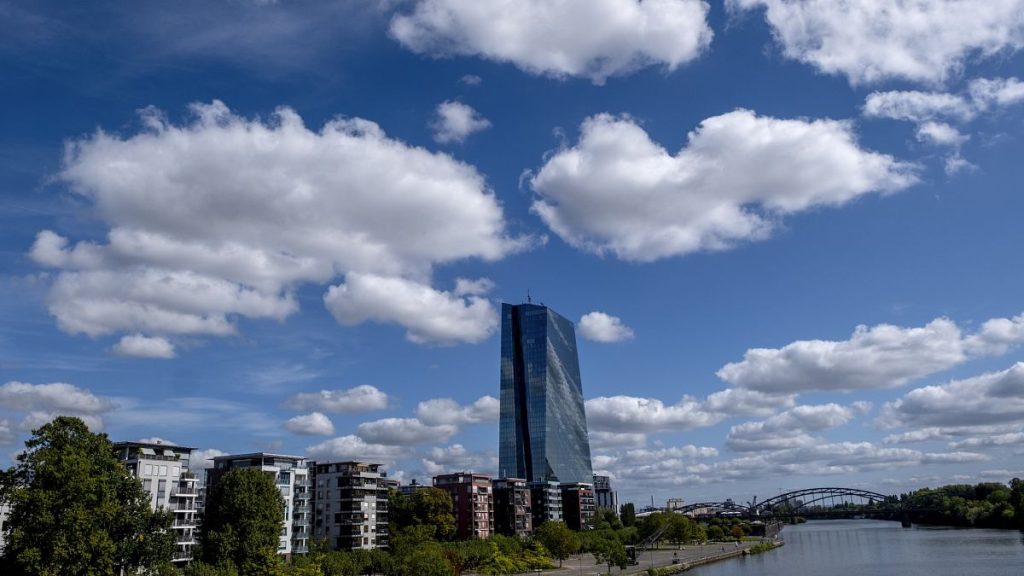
<point x="472" y="502"/>
<point x="350" y="504"/>
<point x="292" y="478"/>
<point x="512" y="510"/>
<point x="578" y="505"/>
<point x="164" y="472"/>
<point x="545" y="502"/>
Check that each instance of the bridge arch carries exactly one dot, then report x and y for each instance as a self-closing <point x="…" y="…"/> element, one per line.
<point x="797" y="500"/>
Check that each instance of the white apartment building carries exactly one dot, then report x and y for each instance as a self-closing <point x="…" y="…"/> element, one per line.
<point x="350" y="501"/>
<point x="163" y="470"/>
<point x="291" y="476"/>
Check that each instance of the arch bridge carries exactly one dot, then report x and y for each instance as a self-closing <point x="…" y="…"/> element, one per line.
<point x="809" y="501"/>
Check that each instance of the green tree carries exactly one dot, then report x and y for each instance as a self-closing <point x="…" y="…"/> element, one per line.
<point x="627" y="513"/>
<point x="242" y="522"/>
<point x="651" y="524"/>
<point x="75" y="509"/>
<point x="680" y="529"/>
<point x="558" y="539"/>
<point x="715" y="532"/>
<point x="609" y="550"/>
<point x="737" y="532"/>
<point x="427" y="506"/>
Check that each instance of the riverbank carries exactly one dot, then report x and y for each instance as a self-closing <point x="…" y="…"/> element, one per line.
<point x="660" y="559"/>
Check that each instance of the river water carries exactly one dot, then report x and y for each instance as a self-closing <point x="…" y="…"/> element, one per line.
<point x="878" y="548"/>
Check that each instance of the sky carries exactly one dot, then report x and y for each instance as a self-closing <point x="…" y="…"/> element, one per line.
<point x="788" y="231"/>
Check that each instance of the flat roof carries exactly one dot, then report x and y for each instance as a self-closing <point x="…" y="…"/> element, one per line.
<point x="129" y="444"/>
<point x="253" y="455"/>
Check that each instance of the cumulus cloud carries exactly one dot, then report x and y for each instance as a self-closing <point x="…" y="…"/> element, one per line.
<point x="362" y="398"/>
<point x="440" y="411"/>
<point x="429" y="315"/>
<point x="631" y="414"/>
<point x="56" y="397"/>
<point x="203" y="459"/>
<point x="874" y="40"/>
<point x="602" y="440"/>
<point x="936" y="112"/>
<point x="139" y="346"/>
<point x="601" y="327"/>
<point x="881" y="356"/>
<point x="617" y="191"/>
<point x="593" y="39"/>
<point x="404" y="432"/>
<point x="355" y="448"/>
<point x="1009" y="439"/>
<point x="313" y="424"/>
<point x="157" y="440"/>
<point x="471" y="80"/>
<point x="456" y="458"/>
<point x="789" y="429"/>
<point x="988" y="399"/>
<point x="455" y="121"/>
<point x="223" y="217"/>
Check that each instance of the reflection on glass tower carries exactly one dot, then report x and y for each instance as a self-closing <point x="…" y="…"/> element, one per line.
<point x="543" y="429"/>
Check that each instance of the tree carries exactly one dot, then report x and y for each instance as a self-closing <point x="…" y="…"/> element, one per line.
<point x="76" y="510"/>
<point x="427" y="506"/>
<point x="242" y="523"/>
<point x="558" y="539"/>
<point x="680" y="529"/>
<point x="627" y="513"/>
<point x="715" y="532"/>
<point x="609" y="550"/>
<point x="737" y="532"/>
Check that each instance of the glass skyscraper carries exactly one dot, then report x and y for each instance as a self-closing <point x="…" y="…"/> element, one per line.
<point x="543" y="428"/>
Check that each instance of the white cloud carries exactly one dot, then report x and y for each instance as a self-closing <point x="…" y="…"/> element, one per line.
<point x="157" y="440"/>
<point x="57" y="397"/>
<point x="1009" y="439"/>
<point x="993" y="398"/>
<point x="618" y="191"/>
<point x="456" y="458"/>
<point x="987" y="93"/>
<point x="875" y="40"/>
<point x="881" y="356"/>
<point x="478" y="287"/>
<point x="789" y="429"/>
<point x="203" y="459"/>
<point x="429" y="315"/>
<point x="601" y="440"/>
<point x="312" y="424"/>
<point x="594" y="39"/>
<point x="447" y="411"/>
<point x="404" y="432"/>
<point x="354" y="448"/>
<point x="917" y="106"/>
<point x="940" y="134"/>
<point x="7" y="435"/>
<point x="601" y="327"/>
<point x="455" y="121"/>
<point x="471" y="80"/>
<point x="139" y="346"/>
<point x="631" y="414"/>
<point x="921" y="435"/>
<point x="224" y="217"/>
<point x="362" y="398"/>
<point x="38" y="418"/>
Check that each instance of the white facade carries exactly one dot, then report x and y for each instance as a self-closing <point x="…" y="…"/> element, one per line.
<point x="291" y="476"/>
<point x="163" y="471"/>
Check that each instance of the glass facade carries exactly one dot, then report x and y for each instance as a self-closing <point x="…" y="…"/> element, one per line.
<point x="543" y="426"/>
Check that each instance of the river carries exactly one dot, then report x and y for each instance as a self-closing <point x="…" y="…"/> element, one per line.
<point x="878" y="548"/>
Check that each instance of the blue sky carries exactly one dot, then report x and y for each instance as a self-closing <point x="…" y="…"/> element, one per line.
<point x="788" y="231"/>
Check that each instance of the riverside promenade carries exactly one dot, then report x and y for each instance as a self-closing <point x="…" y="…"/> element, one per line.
<point x="688" y="557"/>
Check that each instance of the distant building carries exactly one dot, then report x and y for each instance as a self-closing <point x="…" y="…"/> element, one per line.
<point x="390" y="483"/>
<point x="163" y="470"/>
<point x="411" y="487"/>
<point x="543" y="426"/>
<point x="545" y="502"/>
<point x="578" y="505"/>
<point x="674" y="504"/>
<point x="512" y="508"/>
<point x="604" y="497"/>
<point x="291" y="476"/>
<point x="473" y="503"/>
<point x="350" y="500"/>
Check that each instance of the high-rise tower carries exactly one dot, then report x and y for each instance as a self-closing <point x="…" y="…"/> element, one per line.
<point x="543" y="429"/>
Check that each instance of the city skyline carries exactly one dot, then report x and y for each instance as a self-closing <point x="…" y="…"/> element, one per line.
<point x="789" y="252"/>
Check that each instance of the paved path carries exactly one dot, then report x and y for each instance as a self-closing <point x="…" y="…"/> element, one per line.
<point x="583" y="565"/>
